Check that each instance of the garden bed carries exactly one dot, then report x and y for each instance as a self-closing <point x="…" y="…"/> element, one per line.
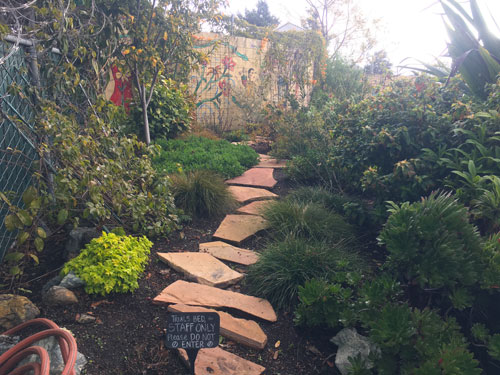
<point x="128" y="335"/>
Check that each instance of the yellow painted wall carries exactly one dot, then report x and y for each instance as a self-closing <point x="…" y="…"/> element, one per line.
<point x="232" y="84"/>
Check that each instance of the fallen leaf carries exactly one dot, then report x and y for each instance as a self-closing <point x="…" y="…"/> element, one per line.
<point x="277" y="344"/>
<point x="95" y="304"/>
<point x="313" y="350"/>
<point x="276" y="353"/>
<point x="330" y="363"/>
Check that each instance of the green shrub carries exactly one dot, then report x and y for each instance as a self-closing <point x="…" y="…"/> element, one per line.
<point x="490" y="275"/>
<point x="344" y="299"/>
<point x="411" y="341"/>
<point x="306" y="220"/>
<point x="431" y="244"/>
<point x="201" y="193"/>
<point x="102" y="175"/>
<point x="198" y="153"/>
<point x="170" y="110"/>
<point x="414" y="341"/>
<point x="323" y="303"/>
<point x="286" y="265"/>
<point x="111" y="263"/>
<point x="343" y="81"/>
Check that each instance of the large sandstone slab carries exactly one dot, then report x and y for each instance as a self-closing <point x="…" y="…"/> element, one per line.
<point x="254" y="208"/>
<point x="202" y="295"/>
<point x="245" y="332"/>
<point x="255" y="177"/>
<point x="225" y="251"/>
<point x="217" y="361"/>
<point x="238" y="228"/>
<point x="245" y="194"/>
<point x="271" y="163"/>
<point x="264" y="157"/>
<point x="202" y="268"/>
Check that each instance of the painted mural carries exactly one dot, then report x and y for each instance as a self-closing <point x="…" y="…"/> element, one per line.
<point x="224" y="84"/>
<point x="232" y="84"/>
<point x="119" y="88"/>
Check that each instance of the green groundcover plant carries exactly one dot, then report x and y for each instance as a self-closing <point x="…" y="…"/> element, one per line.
<point x="199" y="153"/>
<point x="111" y="263"/>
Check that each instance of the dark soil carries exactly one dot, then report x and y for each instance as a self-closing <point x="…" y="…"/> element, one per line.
<point x="127" y="338"/>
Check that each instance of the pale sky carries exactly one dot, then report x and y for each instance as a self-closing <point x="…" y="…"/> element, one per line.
<point x="411" y="28"/>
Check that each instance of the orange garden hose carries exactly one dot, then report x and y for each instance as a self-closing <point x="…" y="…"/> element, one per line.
<point x="16" y="354"/>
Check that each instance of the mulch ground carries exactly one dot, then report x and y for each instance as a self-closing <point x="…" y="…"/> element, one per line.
<point x="127" y="338"/>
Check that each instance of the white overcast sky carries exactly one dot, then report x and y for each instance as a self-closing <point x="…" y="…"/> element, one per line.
<point x="411" y="28"/>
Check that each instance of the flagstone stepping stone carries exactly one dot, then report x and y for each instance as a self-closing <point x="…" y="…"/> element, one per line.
<point x="238" y="228"/>
<point x="245" y="194"/>
<point x="202" y="295"/>
<point x="264" y="157"/>
<point x="254" y="208"/>
<point x="202" y="268"/>
<point x="271" y="163"/>
<point x="255" y="177"/>
<point x="225" y="251"/>
<point x="245" y="332"/>
<point x="217" y="361"/>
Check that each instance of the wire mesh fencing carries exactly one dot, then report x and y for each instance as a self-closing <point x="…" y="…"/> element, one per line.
<point x="18" y="150"/>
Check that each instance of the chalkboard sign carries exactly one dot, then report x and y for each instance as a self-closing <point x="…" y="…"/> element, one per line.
<point x="192" y="332"/>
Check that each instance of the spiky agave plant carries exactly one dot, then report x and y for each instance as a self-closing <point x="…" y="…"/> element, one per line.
<point x="475" y="50"/>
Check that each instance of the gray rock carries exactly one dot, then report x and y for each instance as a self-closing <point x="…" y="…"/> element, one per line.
<point x="78" y="238"/>
<point x="351" y="344"/>
<point x="7" y="342"/>
<point x="52" y="282"/>
<point x="71" y="281"/>
<point x="59" y="296"/>
<point x="51" y="344"/>
<point x="15" y="310"/>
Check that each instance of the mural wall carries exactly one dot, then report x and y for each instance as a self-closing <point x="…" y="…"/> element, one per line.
<point x="232" y="86"/>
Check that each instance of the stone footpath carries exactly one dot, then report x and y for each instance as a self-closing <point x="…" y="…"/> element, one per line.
<point x="209" y="275"/>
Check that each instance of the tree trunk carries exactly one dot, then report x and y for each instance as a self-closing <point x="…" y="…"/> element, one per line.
<point x="145" y="119"/>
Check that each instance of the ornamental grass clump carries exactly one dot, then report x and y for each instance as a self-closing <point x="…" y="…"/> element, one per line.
<point x="111" y="263"/>
<point x="306" y="220"/>
<point x="202" y="193"/>
<point x="319" y="195"/>
<point x="284" y="266"/>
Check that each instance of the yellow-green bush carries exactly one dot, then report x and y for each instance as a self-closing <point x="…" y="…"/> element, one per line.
<point x="111" y="263"/>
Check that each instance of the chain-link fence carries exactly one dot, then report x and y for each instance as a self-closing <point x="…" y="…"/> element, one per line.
<point x="17" y="139"/>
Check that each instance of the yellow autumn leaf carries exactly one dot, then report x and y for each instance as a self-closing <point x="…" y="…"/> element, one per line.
<point x="139" y="50"/>
<point x="125" y="52"/>
<point x="277" y="344"/>
<point x="165" y="35"/>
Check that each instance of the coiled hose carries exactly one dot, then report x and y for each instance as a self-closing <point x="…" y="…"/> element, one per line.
<point x="12" y="357"/>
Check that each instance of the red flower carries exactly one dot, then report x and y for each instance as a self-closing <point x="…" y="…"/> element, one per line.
<point x="228" y="63"/>
<point x="225" y="87"/>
